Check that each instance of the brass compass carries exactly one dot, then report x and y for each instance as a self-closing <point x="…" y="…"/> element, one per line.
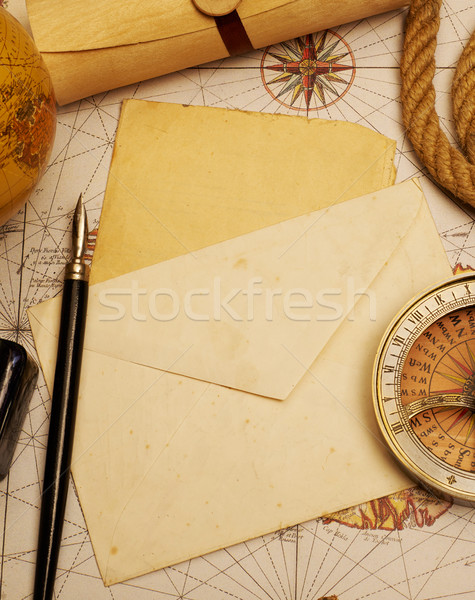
<point x="424" y="388"/>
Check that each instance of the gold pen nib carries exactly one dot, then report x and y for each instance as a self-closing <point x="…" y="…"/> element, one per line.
<point x="77" y="268"/>
<point x="80" y="231"/>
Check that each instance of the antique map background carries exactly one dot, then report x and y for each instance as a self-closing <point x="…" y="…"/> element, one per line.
<point x="408" y="546"/>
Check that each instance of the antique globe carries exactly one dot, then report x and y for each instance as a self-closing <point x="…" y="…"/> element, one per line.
<point x="27" y="115"/>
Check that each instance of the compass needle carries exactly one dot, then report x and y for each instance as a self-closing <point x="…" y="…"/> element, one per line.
<point x="462" y="367"/>
<point x="471" y="357"/>
<point x="470" y="428"/>
<point x="459" y="417"/>
<point x="454" y="378"/>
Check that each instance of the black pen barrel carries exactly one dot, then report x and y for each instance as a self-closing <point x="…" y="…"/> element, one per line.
<point x="61" y="433"/>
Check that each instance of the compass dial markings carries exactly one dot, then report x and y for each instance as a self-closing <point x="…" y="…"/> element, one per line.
<point x="434" y="342"/>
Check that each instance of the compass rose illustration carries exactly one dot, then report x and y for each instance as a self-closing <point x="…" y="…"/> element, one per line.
<point x="310" y="72"/>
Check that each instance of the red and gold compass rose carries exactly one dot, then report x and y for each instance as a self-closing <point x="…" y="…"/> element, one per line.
<point x="309" y="73"/>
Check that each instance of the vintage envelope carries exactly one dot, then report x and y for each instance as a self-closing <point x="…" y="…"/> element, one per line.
<point x="182" y="445"/>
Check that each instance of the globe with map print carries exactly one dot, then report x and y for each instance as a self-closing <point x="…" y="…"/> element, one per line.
<point x="27" y="115"/>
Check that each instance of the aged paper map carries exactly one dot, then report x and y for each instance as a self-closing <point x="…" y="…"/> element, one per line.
<point x="406" y="546"/>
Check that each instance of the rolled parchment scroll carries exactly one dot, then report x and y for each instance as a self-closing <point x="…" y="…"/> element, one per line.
<point x="91" y="46"/>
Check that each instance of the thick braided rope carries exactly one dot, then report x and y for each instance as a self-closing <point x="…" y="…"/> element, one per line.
<point x="463" y="99"/>
<point x="447" y="165"/>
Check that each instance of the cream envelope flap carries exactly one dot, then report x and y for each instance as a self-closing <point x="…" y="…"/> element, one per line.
<point x="232" y="313"/>
<point x="168" y="467"/>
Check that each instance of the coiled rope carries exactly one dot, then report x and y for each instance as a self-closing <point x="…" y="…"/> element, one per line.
<point x="453" y="170"/>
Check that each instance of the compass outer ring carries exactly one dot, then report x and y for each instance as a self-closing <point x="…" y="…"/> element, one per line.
<point x="436" y="486"/>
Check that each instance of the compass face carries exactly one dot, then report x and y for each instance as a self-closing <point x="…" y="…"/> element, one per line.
<point x="424" y="388"/>
<point x="442" y="361"/>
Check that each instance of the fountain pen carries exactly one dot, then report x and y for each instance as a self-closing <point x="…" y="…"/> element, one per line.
<point x="63" y="409"/>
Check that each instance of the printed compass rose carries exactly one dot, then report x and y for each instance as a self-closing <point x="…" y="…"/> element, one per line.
<point x="311" y="72"/>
